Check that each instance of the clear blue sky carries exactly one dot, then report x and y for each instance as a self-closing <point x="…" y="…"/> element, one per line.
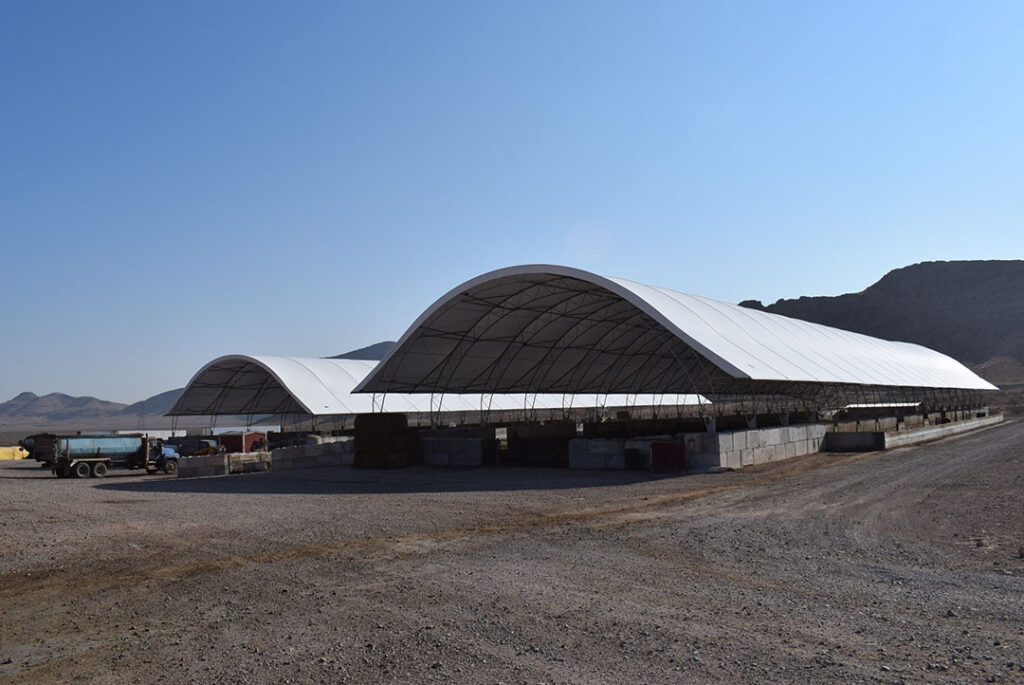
<point x="181" y="180"/>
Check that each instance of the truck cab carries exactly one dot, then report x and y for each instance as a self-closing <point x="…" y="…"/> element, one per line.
<point x="161" y="457"/>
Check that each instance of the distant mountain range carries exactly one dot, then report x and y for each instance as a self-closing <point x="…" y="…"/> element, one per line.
<point x="29" y="407"/>
<point x="972" y="311"/>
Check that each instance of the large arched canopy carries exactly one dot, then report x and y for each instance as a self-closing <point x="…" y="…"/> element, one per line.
<point x="258" y="385"/>
<point x="544" y="329"/>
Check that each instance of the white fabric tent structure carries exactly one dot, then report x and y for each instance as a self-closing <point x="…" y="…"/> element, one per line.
<point x="256" y="385"/>
<point x="544" y="329"/>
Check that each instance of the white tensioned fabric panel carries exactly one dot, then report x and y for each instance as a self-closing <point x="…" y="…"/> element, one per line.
<point x="764" y="346"/>
<point x="543" y="328"/>
<point x="241" y="384"/>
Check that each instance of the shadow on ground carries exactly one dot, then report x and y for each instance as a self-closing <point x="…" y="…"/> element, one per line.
<point x="345" y="480"/>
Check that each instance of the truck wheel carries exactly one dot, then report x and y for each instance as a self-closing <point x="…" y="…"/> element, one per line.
<point x="80" y="470"/>
<point x="99" y="469"/>
<point x="150" y="470"/>
<point x="61" y="471"/>
<point x="171" y="467"/>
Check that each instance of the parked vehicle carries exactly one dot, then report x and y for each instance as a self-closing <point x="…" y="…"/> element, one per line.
<point x="80" y="456"/>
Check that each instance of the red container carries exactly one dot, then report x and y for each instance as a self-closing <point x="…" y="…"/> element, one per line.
<point x="667" y="457"/>
<point x="242" y="442"/>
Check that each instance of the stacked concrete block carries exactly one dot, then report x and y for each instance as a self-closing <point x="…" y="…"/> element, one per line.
<point x="468" y="452"/>
<point x="597" y="453"/>
<point x="928" y="433"/>
<point x="452" y="451"/>
<point x="207" y="465"/>
<point x="432" y="454"/>
<point x="337" y="451"/>
<point x="749" y="447"/>
<point x="304" y="462"/>
<point x="329" y="459"/>
<point x="343" y="449"/>
<point x="248" y="462"/>
<point x="282" y="459"/>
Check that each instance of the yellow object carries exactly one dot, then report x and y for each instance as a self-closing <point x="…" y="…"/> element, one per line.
<point x="12" y="453"/>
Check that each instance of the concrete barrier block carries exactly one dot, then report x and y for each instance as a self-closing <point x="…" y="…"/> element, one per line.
<point x="725" y="441"/>
<point x="731" y="460"/>
<point x="582" y="459"/>
<point x="328" y="460"/>
<point x="304" y="462"/>
<point x="467" y="458"/>
<point x="317" y="450"/>
<point x="615" y="461"/>
<point x="287" y="453"/>
<point x="692" y="444"/>
<point x="435" y="458"/>
<point x="698" y="460"/>
<point x="606" y="447"/>
<point x="739" y="440"/>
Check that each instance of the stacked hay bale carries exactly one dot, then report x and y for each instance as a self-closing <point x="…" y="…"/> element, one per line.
<point x="385" y="441"/>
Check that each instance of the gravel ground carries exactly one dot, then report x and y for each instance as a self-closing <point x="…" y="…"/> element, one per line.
<point x="888" y="567"/>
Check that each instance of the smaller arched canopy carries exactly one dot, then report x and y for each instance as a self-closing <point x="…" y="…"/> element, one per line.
<point x="244" y="384"/>
<point x="252" y="385"/>
<point x="543" y="328"/>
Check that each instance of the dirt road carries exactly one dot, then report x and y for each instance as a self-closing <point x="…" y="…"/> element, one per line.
<point x="890" y="567"/>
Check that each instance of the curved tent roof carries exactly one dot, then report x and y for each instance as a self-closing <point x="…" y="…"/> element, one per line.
<point x="242" y="384"/>
<point x="542" y="328"/>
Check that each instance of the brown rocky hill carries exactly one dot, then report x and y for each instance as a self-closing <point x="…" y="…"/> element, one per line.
<point x="970" y="310"/>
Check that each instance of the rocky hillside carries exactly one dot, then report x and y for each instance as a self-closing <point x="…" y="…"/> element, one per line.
<point x="376" y="352"/>
<point x="970" y="310"/>
<point x="31" y="408"/>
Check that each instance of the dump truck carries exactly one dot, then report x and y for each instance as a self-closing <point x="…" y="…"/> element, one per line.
<point x="81" y="456"/>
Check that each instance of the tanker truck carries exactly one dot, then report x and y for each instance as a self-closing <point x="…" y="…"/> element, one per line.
<point x="81" y="456"/>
